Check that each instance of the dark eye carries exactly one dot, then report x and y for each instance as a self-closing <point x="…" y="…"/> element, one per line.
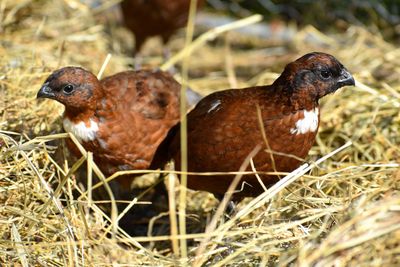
<point x="68" y="89"/>
<point x="326" y="74"/>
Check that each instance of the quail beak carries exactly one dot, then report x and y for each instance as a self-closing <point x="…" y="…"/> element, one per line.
<point x="345" y="78"/>
<point x="45" y="92"/>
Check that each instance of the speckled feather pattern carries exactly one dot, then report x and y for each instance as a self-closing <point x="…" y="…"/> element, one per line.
<point x="135" y="114"/>
<point x="225" y="127"/>
<point x="225" y="137"/>
<point x="122" y="119"/>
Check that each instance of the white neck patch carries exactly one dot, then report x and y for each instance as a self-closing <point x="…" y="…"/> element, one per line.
<point x="80" y="130"/>
<point x="307" y="124"/>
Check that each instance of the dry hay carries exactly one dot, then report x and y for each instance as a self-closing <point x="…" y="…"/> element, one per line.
<point x="343" y="212"/>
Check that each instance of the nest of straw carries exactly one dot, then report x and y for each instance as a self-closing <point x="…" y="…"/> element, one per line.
<point x="340" y="210"/>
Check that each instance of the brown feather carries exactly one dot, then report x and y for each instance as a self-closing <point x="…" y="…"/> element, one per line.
<point x="133" y="110"/>
<point x="225" y="127"/>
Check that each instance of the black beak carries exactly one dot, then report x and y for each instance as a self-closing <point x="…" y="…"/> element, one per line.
<point x="345" y="78"/>
<point x="45" y="92"/>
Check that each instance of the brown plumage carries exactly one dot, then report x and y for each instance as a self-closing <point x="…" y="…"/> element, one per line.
<point x="224" y="127"/>
<point x="121" y="119"/>
<point x="146" y="18"/>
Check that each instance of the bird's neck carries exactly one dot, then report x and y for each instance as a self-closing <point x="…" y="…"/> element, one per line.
<point x="79" y="115"/>
<point x="299" y="98"/>
<point x="84" y="126"/>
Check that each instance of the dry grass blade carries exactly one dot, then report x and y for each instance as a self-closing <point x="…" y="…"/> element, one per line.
<point x="172" y="213"/>
<point x="373" y="222"/>
<point x="19" y="246"/>
<point x="183" y="130"/>
<point x="221" y="208"/>
<point x="210" y="35"/>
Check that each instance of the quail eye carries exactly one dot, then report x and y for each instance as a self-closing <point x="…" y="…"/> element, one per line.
<point x="68" y="89"/>
<point x="325" y="74"/>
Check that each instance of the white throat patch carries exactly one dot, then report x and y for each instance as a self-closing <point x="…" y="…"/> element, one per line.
<point x="307" y="124"/>
<point x="80" y="130"/>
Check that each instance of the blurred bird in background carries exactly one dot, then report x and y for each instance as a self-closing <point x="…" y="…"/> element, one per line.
<point x="146" y="18"/>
